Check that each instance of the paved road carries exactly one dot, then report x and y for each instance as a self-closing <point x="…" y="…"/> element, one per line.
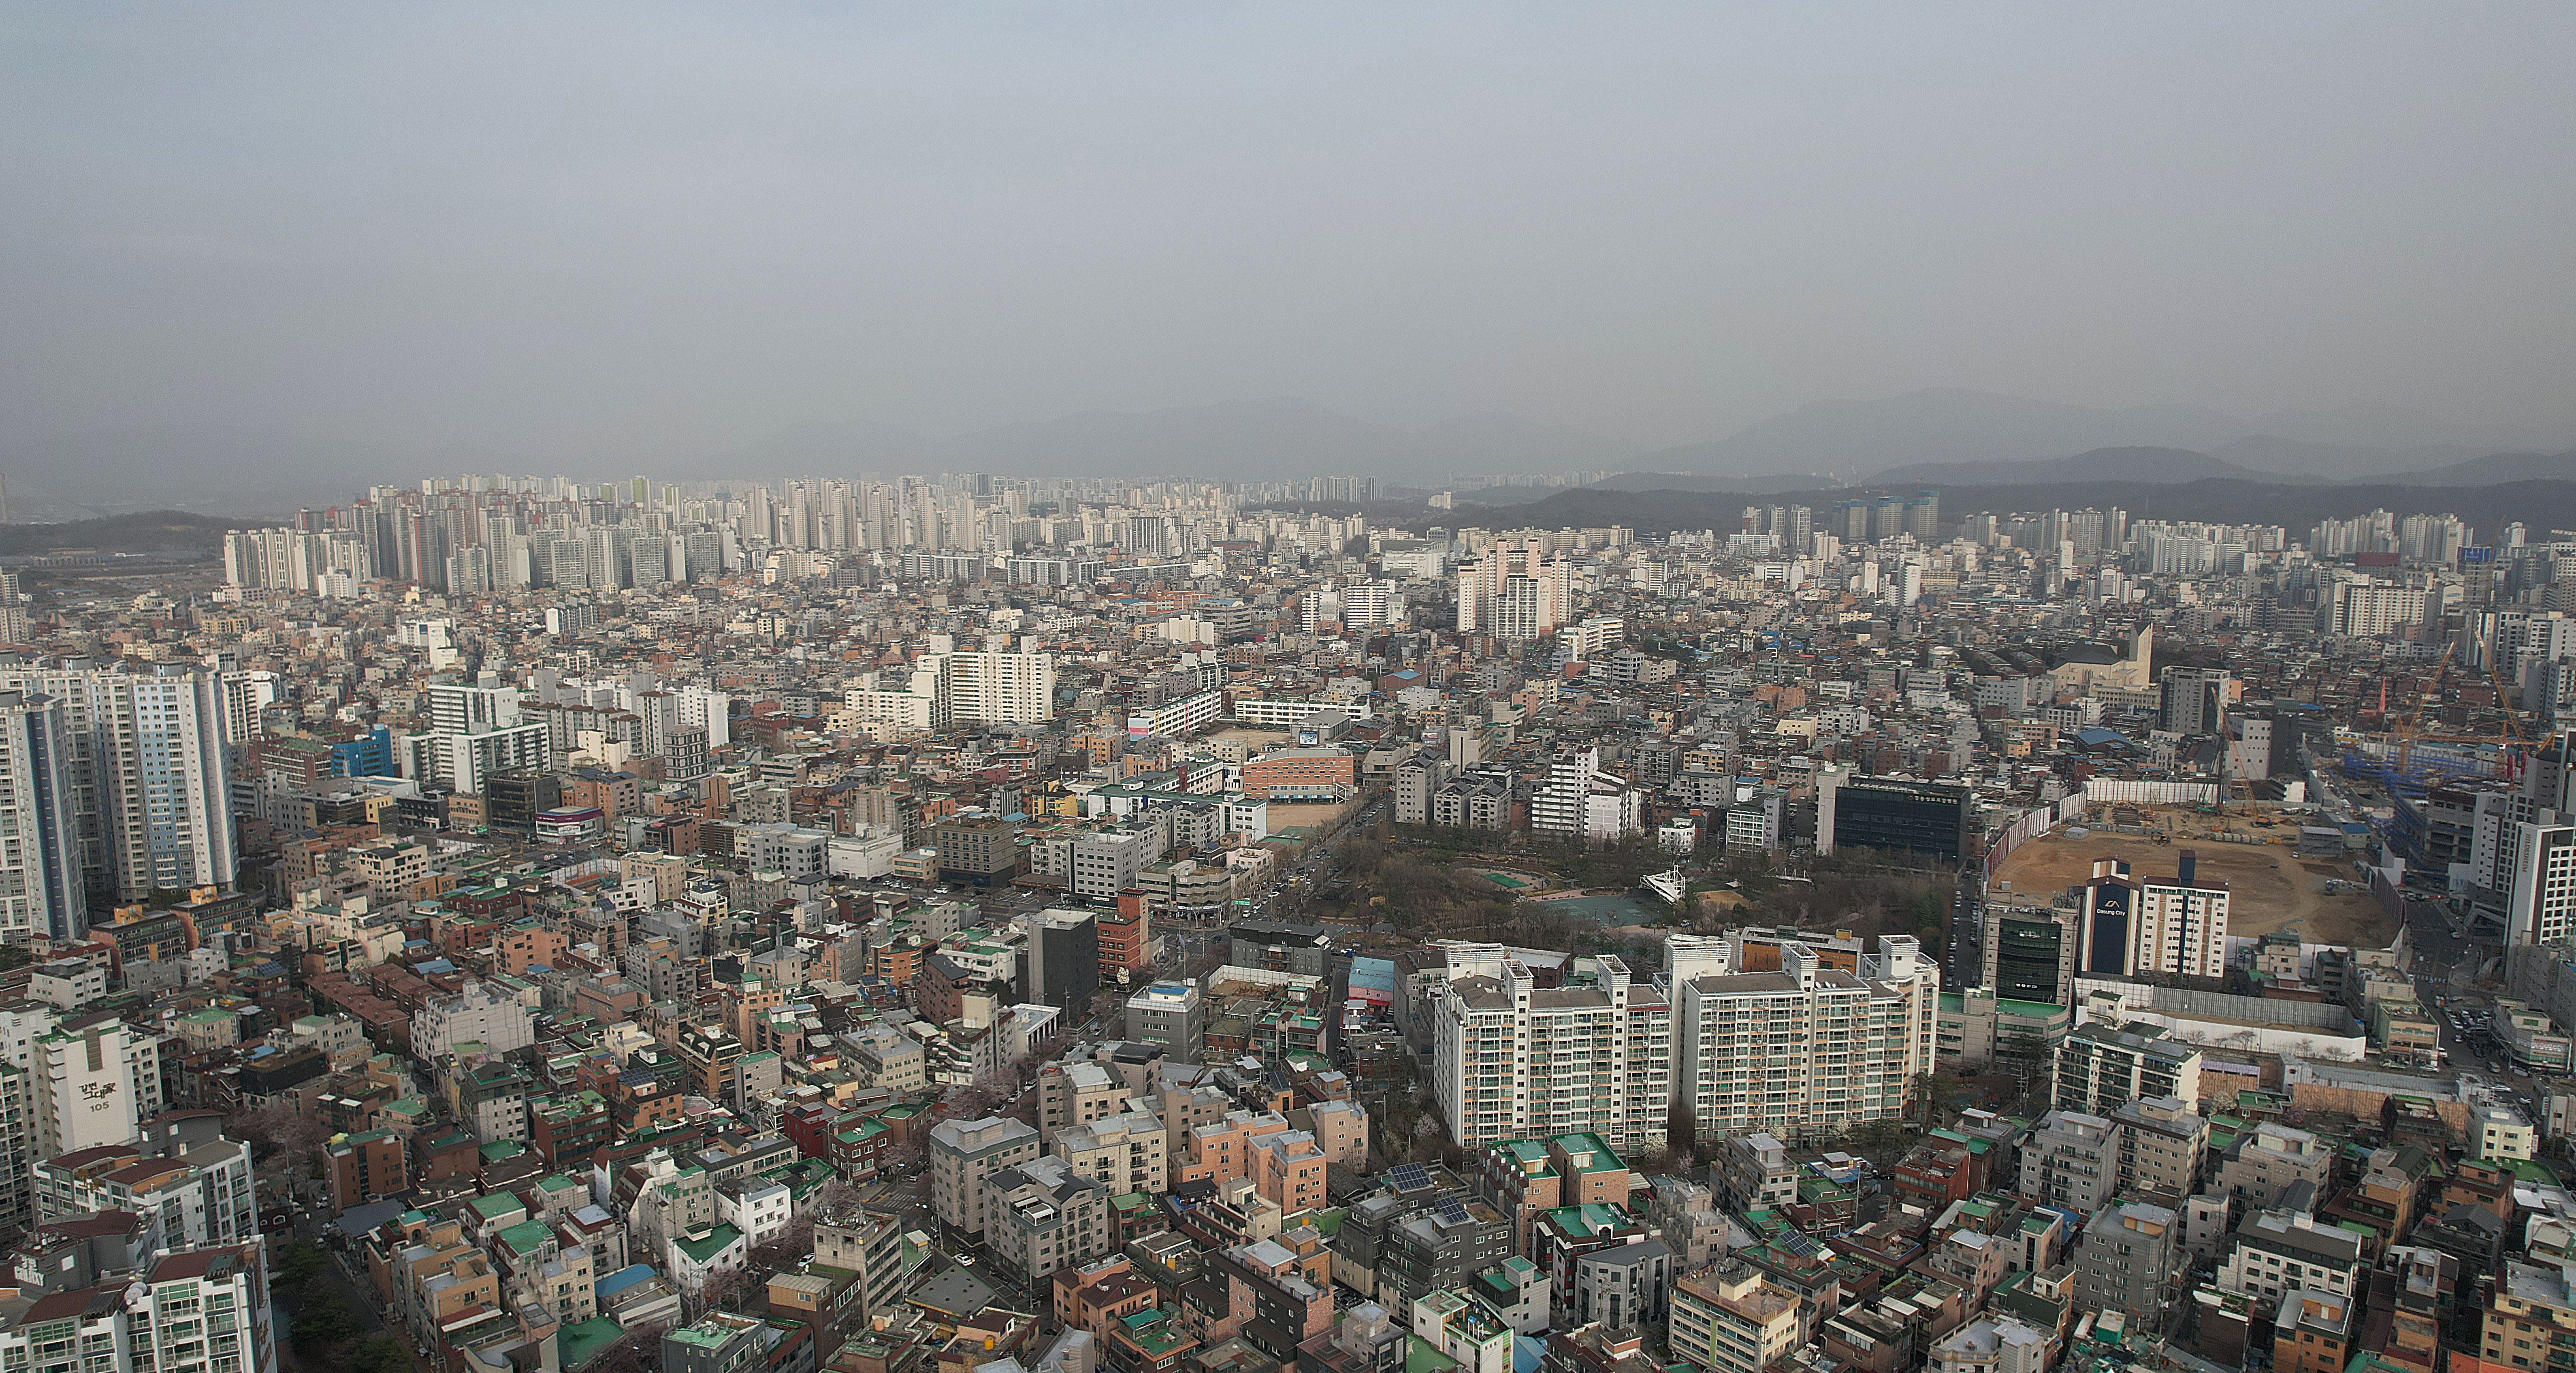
<point x="2446" y="967"/>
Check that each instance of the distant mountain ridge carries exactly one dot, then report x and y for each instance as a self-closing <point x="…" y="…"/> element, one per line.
<point x="1869" y="440"/>
<point x="2493" y="469"/>
<point x="2100" y="464"/>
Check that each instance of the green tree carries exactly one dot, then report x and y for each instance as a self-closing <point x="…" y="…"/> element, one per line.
<point x="321" y="1321"/>
<point x="1939" y="1093"/>
<point x="379" y="1353"/>
<point x="1876" y="1136"/>
<point x="299" y="1262"/>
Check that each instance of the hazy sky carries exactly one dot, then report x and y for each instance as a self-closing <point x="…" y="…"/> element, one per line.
<point x="638" y="229"/>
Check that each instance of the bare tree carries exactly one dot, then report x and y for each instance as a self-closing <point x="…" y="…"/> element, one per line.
<point x="284" y="1142"/>
<point x="730" y="1289"/>
<point x="1681" y="1131"/>
<point x="789" y="1247"/>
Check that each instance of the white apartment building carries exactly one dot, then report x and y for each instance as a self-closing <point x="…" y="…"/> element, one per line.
<point x="1511" y="1061"/>
<point x="197" y="1311"/>
<point x="2367" y="610"/>
<point x="964" y="1156"/>
<point x="2540" y="905"/>
<point x="477" y="1012"/>
<point x="143" y="758"/>
<point x="901" y="698"/>
<point x="462" y="761"/>
<point x="2182" y="927"/>
<point x="994" y="688"/>
<point x="43" y="889"/>
<point x="1126" y="1152"/>
<point x="1578" y="800"/>
<point x="1793" y="1047"/>
<point x="457" y="709"/>
<point x="83" y="1090"/>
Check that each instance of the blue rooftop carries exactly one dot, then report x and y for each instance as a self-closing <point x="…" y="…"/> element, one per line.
<point x="622" y="1279"/>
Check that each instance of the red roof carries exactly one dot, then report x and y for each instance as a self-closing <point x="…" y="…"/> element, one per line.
<point x="195" y="1263"/>
<point x="87" y="1301"/>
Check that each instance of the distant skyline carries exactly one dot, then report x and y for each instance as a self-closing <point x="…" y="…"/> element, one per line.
<point x="600" y="237"/>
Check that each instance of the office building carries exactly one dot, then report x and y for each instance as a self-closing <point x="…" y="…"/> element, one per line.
<point x="2030" y="952"/>
<point x="981" y="850"/>
<point x="1171" y="1014"/>
<point x="2108" y="902"/>
<point x="1106" y="863"/>
<point x="2540" y="904"/>
<point x="1926" y="818"/>
<point x="1279" y="947"/>
<point x="1060" y="960"/>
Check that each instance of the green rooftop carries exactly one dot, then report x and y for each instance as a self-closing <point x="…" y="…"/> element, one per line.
<point x="581" y="1343"/>
<point x="1422" y="1356"/>
<point x="1152" y="1332"/>
<point x="717" y="1241"/>
<point x="1589" y="1219"/>
<point x="496" y="1205"/>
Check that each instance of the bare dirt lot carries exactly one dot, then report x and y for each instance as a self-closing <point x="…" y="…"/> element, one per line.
<point x="2269" y="887"/>
<point x="1285" y="815"/>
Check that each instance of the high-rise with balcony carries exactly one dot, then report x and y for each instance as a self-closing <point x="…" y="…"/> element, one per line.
<point x="1769" y="1036"/>
<point x="1512" y="1060"/>
<point x="143" y="764"/>
<point x="1000" y="688"/>
<point x="42" y="887"/>
<point x="2101" y="1068"/>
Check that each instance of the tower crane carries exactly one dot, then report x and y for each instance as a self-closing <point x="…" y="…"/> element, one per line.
<point x="2406" y="727"/>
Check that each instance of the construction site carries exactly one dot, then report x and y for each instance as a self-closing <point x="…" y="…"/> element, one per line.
<point x="2473" y="730"/>
<point x="2272" y="887"/>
